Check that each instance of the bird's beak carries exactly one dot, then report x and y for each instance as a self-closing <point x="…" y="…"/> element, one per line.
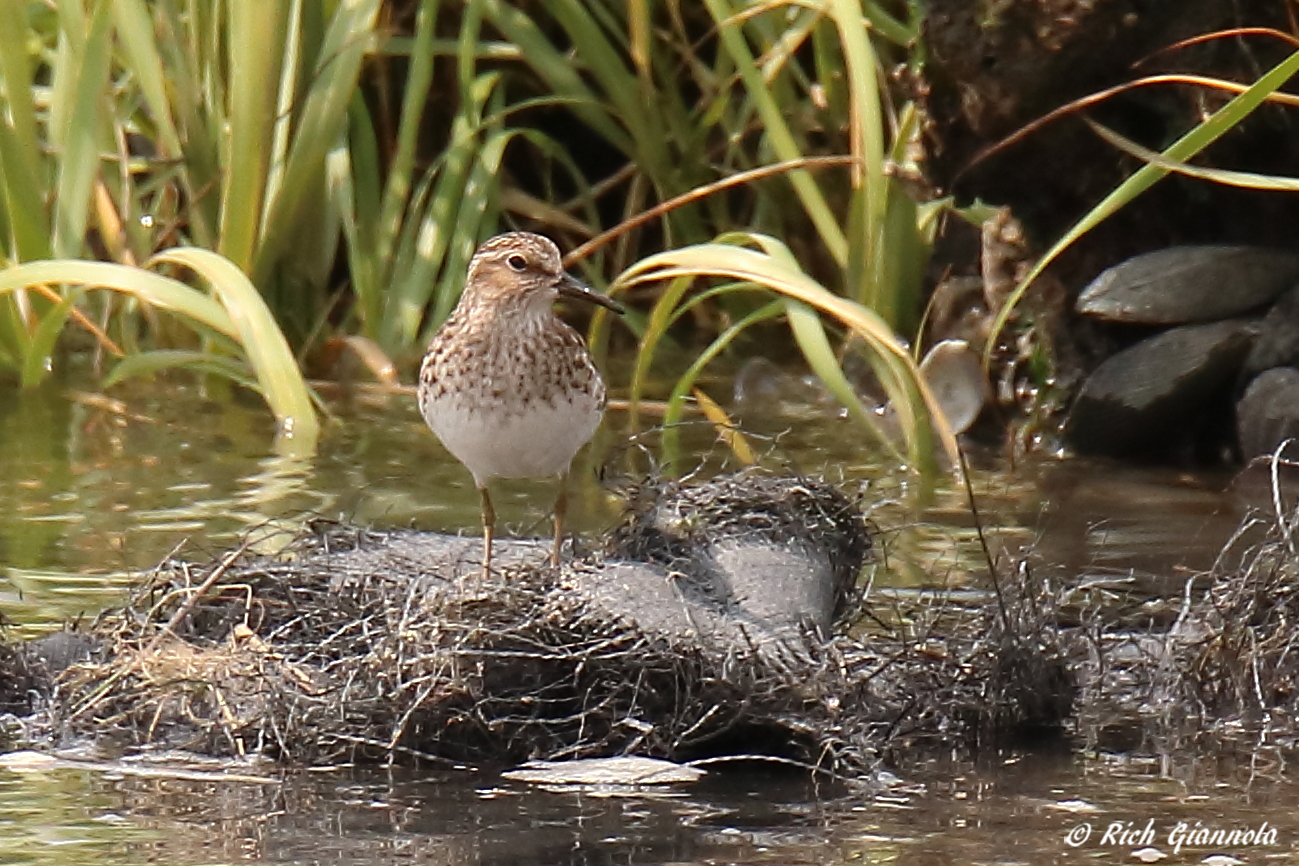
<point x="571" y="287"/>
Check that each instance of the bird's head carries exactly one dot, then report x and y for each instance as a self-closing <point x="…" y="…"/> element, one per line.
<point x="524" y="271"/>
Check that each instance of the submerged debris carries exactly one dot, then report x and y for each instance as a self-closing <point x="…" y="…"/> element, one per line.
<point x="604" y="772"/>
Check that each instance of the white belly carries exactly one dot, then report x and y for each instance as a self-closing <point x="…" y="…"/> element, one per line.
<point x="534" y="443"/>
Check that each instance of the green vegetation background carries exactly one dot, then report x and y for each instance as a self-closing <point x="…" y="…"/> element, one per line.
<point x="282" y="176"/>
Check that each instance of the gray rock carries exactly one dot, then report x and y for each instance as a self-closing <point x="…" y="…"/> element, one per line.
<point x="1180" y="285"/>
<point x="1277" y="344"/>
<point x="1268" y="413"/>
<point x="955" y="374"/>
<point x="56" y="652"/>
<point x="1145" y="398"/>
<point x="748" y="562"/>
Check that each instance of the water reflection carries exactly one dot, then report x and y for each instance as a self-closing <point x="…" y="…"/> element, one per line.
<point x="1012" y="808"/>
<point x="100" y="489"/>
<point x="104" y="488"/>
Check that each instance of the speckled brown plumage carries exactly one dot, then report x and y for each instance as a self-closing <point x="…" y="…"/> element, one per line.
<point x="474" y="361"/>
<point x="508" y="388"/>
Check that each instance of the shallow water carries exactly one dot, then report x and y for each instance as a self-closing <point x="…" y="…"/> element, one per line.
<point x="100" y="489"/>
<point x="1024" y="808"/>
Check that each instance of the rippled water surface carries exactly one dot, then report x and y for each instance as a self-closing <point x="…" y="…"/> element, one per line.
<point x="1022" y="809"/>
<point x="97" y="489"/>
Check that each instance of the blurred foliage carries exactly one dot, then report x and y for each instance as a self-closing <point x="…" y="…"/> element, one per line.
<point x="288" y="138"/>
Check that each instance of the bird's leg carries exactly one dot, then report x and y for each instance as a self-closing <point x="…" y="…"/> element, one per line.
<point x="561" y="506"/>
<point x="489" y="530"/>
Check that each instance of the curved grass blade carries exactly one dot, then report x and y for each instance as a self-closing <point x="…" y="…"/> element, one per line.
<point x="916" y="404"/>
<point x="1227" y="177"/>
<point x="244" y="318"/>
<point x="268" y="352"/>
<point x="1217" y="125"/>
<point x="151" y="288"/>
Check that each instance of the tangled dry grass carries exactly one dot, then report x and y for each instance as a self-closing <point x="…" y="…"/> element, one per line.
<point x="360" y="645"/>
<point x="353" y="647"/>
<point x="1246" y="663"/>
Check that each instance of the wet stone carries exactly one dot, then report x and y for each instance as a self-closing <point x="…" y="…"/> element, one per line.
<point x="955" y="375"/>
<point x="1183" y="285"/>
<point x="1268" y="413"/>
<point x="1146" y="398"/>
<point x="1277" y="344"/>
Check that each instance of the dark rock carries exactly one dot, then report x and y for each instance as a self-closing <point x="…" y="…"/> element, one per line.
<point x="1268" y="413"/>
<point x="1277" y="344"/>
<point x="1146" y="398"/>
<point x="1181" y="285"/>
<point x="54" y="653"/>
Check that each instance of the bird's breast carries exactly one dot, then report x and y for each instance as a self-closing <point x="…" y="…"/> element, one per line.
<point x="511" y="406"/>
<point x="536" y="440"/>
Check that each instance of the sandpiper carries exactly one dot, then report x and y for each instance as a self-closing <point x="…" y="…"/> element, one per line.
<point x="508" y="388"/>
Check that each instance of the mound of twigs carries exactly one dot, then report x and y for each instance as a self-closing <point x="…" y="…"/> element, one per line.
<point x="1214" y="666"/>
<point x="312" y="662"/>
<point x="1245" y="665"/>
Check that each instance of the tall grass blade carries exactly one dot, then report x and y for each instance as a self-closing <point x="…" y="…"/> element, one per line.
<point x="140" y="44"/>
<point x="866" y="137"/>
<point x="77" y="131"/>
<point x="1218" y="124"/>
<point x="916" y="405"/>
<point x="777" y="131"/>
<point x="322" y="121"/>
<point x="419" y="79"/>
<point x="22" y="172"/>
<point x="257" y="38"/>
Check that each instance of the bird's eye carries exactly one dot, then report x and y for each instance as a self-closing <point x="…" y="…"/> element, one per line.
<point x="517" y="262"/>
